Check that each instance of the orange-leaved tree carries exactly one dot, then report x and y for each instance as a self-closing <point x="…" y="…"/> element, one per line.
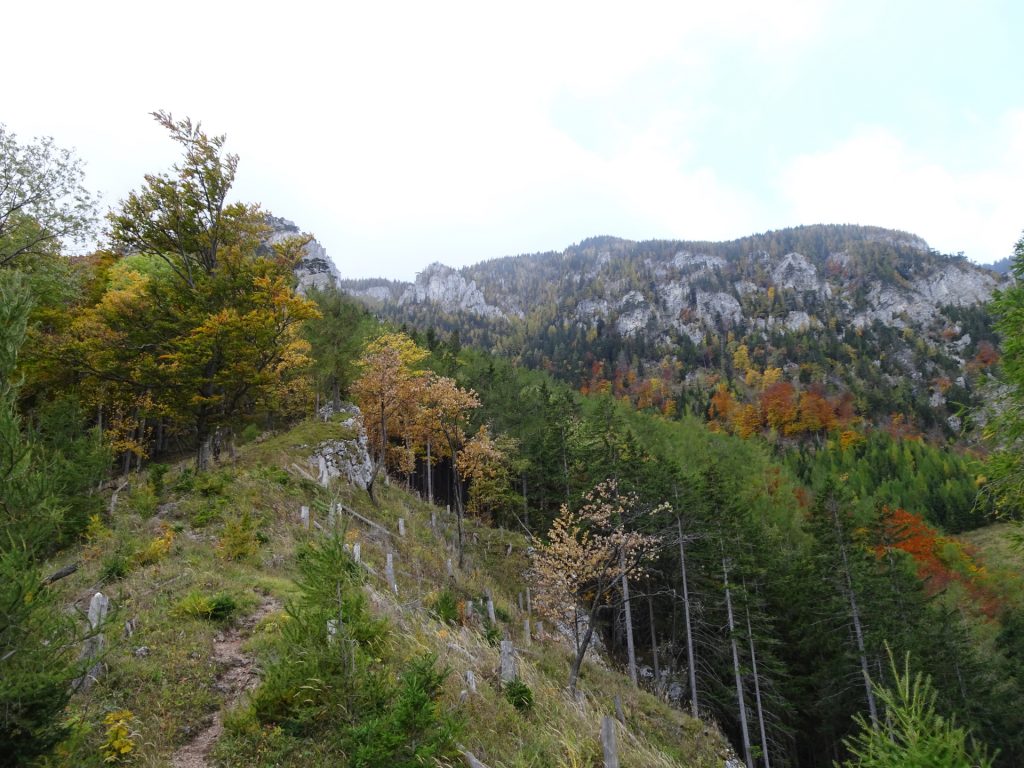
<point x="588" y="551"/>
<point x="389" y="384"/>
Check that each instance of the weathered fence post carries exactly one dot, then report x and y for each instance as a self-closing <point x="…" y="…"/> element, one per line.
<point x="357" y="551"/>
<point x="469" y="611"/>
<point x="389" y="571"/>
<point x="520" y="602"/>
<point x="611" y="749"/>
<point x="471" y="681"/>
<point x="490" y="610"/>
<point x="451" y="570"/>
<point x="401" y="526"/>
<point x="529" y="605"/>
<point x="433" y="520"/>
<point x="304" y="515"/>
<point x="508" y="662"/>
<point x="526" y="630"/>
<point x="98" y="607"/>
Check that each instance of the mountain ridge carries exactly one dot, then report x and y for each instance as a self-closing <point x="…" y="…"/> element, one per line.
<point x="845" y="307"/>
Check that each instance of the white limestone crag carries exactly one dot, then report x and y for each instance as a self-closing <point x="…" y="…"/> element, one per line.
<point x="347" y="458"/>
<point x="315" y="269"/>
<point x="445" y="286"/>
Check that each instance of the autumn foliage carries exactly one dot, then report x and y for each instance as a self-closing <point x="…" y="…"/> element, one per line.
<point x="939" y="560"/>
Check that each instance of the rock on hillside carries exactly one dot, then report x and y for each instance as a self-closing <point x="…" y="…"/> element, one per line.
<point x="315" y="269"/>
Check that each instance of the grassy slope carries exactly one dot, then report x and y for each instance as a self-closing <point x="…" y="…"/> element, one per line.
<point x="172" y="686"/>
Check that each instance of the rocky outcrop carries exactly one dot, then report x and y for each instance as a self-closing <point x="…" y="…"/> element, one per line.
<point x="348" y="457"/>
<point x="315" y="269"/>
<point x="445" y="286"/>
<point x="919" y="303"/>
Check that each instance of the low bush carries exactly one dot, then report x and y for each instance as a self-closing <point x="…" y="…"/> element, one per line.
<point x="196" y="605"/>
<point x="519" y="695"/>
<point x="445" y="607"/>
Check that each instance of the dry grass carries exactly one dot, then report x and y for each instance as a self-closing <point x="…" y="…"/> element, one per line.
<point x="170" y="687"/>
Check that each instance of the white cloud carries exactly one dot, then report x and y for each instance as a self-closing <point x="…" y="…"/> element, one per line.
<point x="876" y="178"/>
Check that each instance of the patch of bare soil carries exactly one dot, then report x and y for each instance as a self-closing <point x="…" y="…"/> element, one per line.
<point x="238" y="676"/>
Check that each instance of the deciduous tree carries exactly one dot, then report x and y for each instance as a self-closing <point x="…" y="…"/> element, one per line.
<point x="587" y="553"/>
<point x="42" y="199"/>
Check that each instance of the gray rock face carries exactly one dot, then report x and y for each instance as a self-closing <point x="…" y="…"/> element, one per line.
<point x="919" y="303"/>
<point x="443" y="285"/>
<point x="797" y="272"/>
<point x="315" y="269"/>
<point x="348" y="459"/>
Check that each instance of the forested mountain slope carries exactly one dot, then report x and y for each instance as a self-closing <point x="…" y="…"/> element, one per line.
<point x="849" y="309"/>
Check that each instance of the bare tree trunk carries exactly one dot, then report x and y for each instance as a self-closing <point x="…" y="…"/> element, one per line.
<point x="692" y="667"/>
<point x="757" y="693"/>
<point x="654" y="643"/>
<point x="858" y="631"/>
<point x="430" y="476"/>
<point x="736" y="669"/>
<point x="459" y="512"/>
<point x="526" y="508"/>
<point x="584" y="643"/>
<point x="630" y="648"/>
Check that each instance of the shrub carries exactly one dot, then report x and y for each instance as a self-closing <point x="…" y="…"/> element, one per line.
<point x="912" y="732"/>
<point x="119" y="744"/>
<point x="157" y="474"/>
<point x="519" y="695"/>
<point x="143" y="499"/>
<point x="413" y="729"/>
<point x="445" y="607"/>
<point x="38" y="662"/>
<point x="157" y="549"/>
<point x="113" y="567"/>
<point x="239" y="540"/>
<point x="196" y="605"/>
<point x="491" y="633"/>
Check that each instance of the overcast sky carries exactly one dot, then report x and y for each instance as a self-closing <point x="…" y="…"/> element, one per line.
<point x="405" y="133"/>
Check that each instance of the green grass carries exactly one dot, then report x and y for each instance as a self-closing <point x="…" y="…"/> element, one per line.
<point x="166" y="673"/>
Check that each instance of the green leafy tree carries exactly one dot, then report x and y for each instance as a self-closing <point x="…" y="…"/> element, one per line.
<point x="42" y="199"/>
<point x="213" y="334"/>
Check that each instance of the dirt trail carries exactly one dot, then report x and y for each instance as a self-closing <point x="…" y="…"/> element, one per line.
<point x="238" y="676"/>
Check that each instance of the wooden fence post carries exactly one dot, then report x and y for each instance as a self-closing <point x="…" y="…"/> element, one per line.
<point x="608" y="744"/>
<point x="508" y="662"/>
<point x="389" y="572"/>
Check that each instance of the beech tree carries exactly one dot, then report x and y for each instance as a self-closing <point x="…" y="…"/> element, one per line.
<point x="587" y="553"/>
<point x="214" y="330"/>
<point x="42" y="199"/>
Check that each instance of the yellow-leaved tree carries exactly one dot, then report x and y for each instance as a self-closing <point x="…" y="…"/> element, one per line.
<point x="196" y="322"/>
<point x="486" y="463"/>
